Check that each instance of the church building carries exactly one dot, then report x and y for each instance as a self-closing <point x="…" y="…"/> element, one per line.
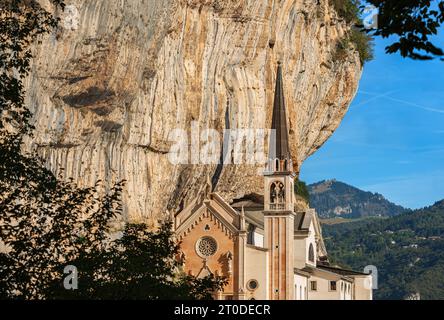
<point x="267" y="246"/>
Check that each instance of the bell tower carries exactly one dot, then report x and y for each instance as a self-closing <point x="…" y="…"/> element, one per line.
<point x="279" y="202"/>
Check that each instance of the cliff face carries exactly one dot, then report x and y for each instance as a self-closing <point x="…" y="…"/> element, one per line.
<point x="111" y="84"/>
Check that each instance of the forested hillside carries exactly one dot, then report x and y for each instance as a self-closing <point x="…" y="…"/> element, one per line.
<point x="407" y="249"/>
<point x="332" y="198"/>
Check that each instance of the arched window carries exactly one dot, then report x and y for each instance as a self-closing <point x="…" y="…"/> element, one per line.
<point x="273" y="193"/>
<point x="250" y="235"/>
<point x="277" y="164"/>
<point x="281" y="192"/>
<point x="286" y="165"/>
<point x="311" y="256"/>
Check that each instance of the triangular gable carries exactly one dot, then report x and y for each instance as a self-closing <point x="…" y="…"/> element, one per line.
<point x="191" y="220"/>
<point x="188" y="210"/>
<point x="210" y="209"/>
<point x="230" y="214"/>
<point x="232" y="228"/>
<point x="215" y="196"/>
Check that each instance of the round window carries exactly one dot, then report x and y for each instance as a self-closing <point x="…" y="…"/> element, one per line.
<point x="206" y="247"/>
<point x="252" y="284"/>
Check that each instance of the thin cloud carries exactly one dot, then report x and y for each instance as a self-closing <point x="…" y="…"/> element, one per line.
<point x="386" y="96"/>
<point x="416" y="105"/>
<point x="375" y="96"/>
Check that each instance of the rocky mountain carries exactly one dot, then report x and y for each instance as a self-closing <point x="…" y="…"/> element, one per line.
<point x="333" y="198"/>
<point x="408" y="251"/>
<point x="110" y="86"/>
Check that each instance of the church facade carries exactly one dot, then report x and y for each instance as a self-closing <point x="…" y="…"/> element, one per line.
<point x="267" y="246"/>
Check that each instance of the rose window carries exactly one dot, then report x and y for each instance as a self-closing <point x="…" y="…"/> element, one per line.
<point x="206" y="247"/>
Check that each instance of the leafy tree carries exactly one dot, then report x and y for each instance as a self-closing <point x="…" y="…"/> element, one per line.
<point x="347" y="9"/>
<point x="142" y="264"/>
<point x="47" y="223"/>
<point x="414" y="23"/>
<point x="355" y="38"/>
<point x="300" y="189"/>
<point x="407" y="250"/>
<point x="44" y="222"/>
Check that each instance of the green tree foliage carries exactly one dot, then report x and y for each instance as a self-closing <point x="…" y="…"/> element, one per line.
<point x="142" y="264"/>
<point x="413" y="23"/>
<point x="407" y="250"/>
<point x="347" y="9"/>
<point x="363" y="44"/>
<point x="356" y="38"/>
<point x="300" y="189"/>
<point x="47" y="223"/>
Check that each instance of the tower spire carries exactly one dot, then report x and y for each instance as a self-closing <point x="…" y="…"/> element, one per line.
<point x="279" y="121"/>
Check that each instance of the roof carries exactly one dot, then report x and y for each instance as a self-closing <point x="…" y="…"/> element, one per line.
<point x="253" y="205"/>
<point x="302" y="221"/>
<point x="326" y="274"/>
<point x="279" y="122"/>
<point x="302" y="272"/>
<point x="250" y="201"/>
<point x="341" y="271"/>
<point x="255" y="217"/>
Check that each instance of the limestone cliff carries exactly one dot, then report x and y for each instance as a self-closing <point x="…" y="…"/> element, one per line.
<point x="109" y="86"/>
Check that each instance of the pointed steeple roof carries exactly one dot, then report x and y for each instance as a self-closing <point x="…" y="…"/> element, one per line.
<point x="279" y="121"/>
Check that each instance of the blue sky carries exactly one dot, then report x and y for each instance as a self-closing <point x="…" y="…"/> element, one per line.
<point x="391" y="140"/>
